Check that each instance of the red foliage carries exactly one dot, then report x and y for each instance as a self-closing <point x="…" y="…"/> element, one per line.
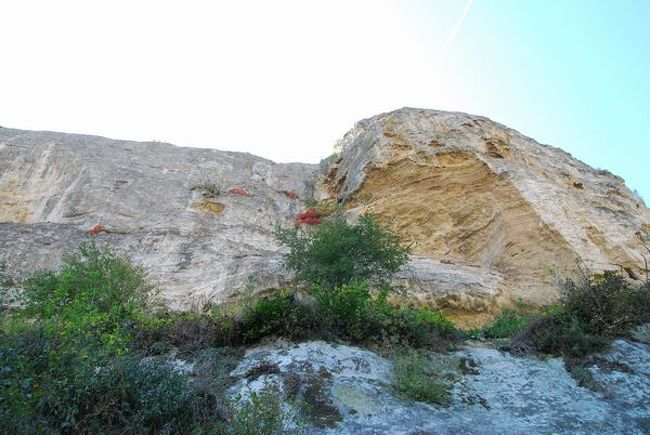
<point x="96" y="230"/>
<point x="239" y="191"/>
<point x="291" y="194"/>
<point x="308" y="217"/>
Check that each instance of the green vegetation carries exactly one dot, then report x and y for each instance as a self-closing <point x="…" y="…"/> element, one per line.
<point x="64" y="359"/>
<point x="324" y="207"/>
<point x="508" y="323"/>
<point x="263" y="414"/>
<point x="93" y="298"/>
<point x="209" y="189"/>
<point x="352" y="313"/>
<point x="82" y="355"/>
<point x="588" y="318"/>
<point x="86" y="352"/>
<point x="338" y="253"/>
<point x="415" y="377"/>
<point x="276" y="315"/>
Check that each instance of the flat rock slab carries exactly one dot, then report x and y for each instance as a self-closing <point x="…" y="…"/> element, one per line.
<point x="500" y="393"/>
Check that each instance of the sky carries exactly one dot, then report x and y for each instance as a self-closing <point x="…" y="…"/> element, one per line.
<point x="286" y="79"/>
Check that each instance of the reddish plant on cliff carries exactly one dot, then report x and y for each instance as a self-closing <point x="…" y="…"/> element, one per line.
<point x="239" y="191"/>
<point x="96" y="230"/>
<point x="308" y="217"/>
<point x="291" y="194"/>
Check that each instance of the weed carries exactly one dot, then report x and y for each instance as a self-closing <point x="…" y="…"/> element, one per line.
<point x="262" y="414"/>
<point x="278" y="314"/>
<point x="507" y="324"/>
<point x="209" y="189"/>
<point x="415" y="377"/>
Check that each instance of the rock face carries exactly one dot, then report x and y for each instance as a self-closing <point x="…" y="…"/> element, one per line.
<point x="491" y="214"/>
<point x="201" y="221"/>
<point x="492" y="391"/>
<point x="503" y="213"/>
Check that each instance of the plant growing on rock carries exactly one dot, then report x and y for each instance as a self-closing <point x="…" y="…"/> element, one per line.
<point x="308" y="217"/>
<point x="508" y="323"/>
<point x="338" y="253"/>
<point x="96" y="293"/>
<point x="415" y="377"/>
<point x="324" y="207"/>
<point x="209" y="189"/>
<point x="589" y="316"/>
<point x="239" y="191"/>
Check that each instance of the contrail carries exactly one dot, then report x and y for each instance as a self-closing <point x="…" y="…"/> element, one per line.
<point x="454" y="31"/>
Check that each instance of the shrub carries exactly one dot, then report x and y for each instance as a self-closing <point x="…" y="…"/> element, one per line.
<point x="308" y="217"/>
<point x="262" y="414"/>
<point x="278" y="314"/>
<point x="415" y="378"/>
<point x="127" y="394"/>
<point x="94" y="295"/>
<point x="352" y="313"/>
<point x="565" y="335"/>
<point x="589" y="315"/>
<point x="209" y="189"/>
<point x="50" y="387"/>
<point x="507" y="324"/>
<point x="608" y="305"/>
<point x="347" y="312"/>
<point x="338" y="253"/>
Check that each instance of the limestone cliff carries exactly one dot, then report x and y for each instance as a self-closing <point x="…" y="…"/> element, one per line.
<point x="201" y="221"/>
<point x="492" y="215"/>
<point x="473" y="196"/>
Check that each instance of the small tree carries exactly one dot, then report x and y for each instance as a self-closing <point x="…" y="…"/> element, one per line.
<point x="337" y="253"/>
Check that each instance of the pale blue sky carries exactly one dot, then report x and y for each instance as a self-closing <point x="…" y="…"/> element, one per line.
<point x="284" y="79"/>
<point x="573" y="74"/>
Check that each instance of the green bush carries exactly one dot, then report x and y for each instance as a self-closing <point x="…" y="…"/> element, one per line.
<point x="352" y="313"/>
<point x="566" y="335"/>
<point x="608" y="305"/>
<point x="60" y="369"/>
<point x="279" y="315"/>
<point x="347" y="312"/>
<point x="338" y="253"/>
<point x="262" y="414"/>
<point x="588" y="317"/>
<point x="128" y="395"/>
<point x="507" y="324"/>
<point x="93" y="297"/>
<point x="417" y="327"/>
<point x="415" y="377"/>
<point x="49" y="389"/>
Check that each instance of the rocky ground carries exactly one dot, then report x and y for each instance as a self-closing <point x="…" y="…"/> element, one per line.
<point x="346" y="390"/>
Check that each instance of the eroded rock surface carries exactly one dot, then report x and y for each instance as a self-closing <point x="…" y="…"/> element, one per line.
<point x="492" y="215"/>
<point x="509" y="212"/>
<point x="174" y="210"/>
<point x="501" y="393"/>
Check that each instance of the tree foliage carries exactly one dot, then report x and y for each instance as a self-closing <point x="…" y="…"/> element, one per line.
<point x="337" y="253"/>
